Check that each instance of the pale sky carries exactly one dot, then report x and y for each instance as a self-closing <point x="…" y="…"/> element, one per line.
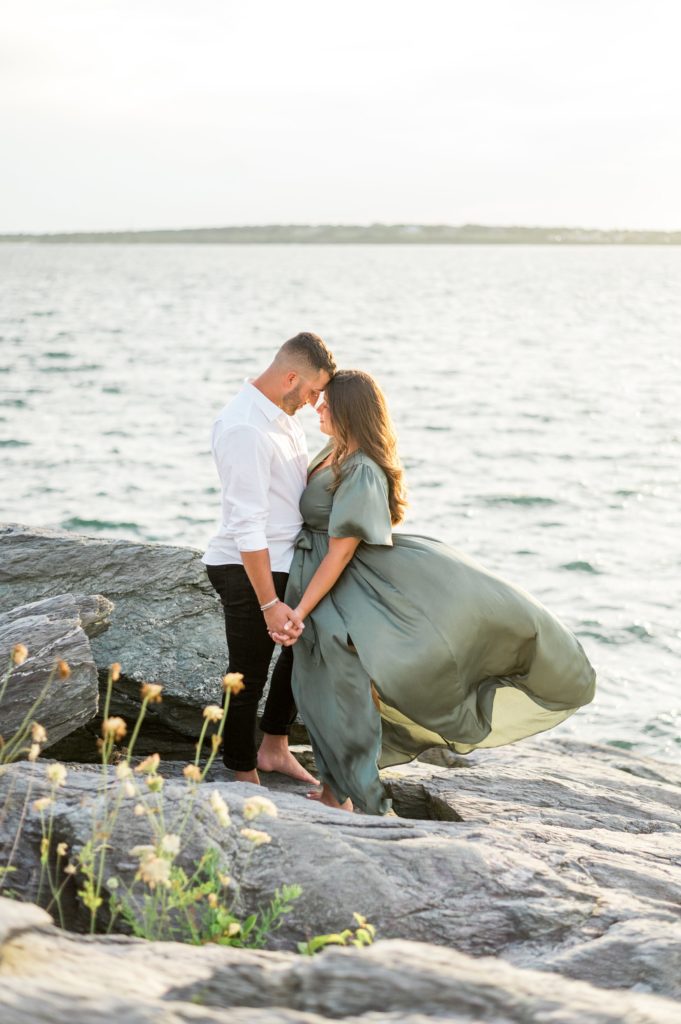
<point x="131" y="114"/>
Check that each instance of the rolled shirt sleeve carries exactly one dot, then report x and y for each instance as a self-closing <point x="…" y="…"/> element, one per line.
<point x="244" y="458"/>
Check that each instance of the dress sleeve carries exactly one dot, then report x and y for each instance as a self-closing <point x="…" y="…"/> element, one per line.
<point x="360" y="506"/>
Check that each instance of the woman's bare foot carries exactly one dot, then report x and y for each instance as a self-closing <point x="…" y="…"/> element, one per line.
<point x="326" y="797"/>
<point x="275" y="756"/>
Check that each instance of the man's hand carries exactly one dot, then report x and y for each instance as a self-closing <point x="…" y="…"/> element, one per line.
<point x="283" y="624"/>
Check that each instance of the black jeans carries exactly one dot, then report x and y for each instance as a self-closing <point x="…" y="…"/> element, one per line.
<point x="250" y="651"/>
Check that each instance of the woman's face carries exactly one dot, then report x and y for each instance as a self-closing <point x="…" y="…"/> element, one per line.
<point x="325" y="422"/>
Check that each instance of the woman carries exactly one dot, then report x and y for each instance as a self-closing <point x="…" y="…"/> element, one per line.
<point x="407" y="644"/>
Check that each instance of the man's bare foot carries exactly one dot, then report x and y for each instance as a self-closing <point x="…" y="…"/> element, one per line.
<point x="251" y="776"/>
<point x="326" y="797"/>
<point x="287" y="764"/>
<point x="275" y="756"/>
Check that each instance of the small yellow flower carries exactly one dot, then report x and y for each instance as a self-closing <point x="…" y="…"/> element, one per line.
<point x="149" y="764"/>
<point x="213" y="713"/>
<point x="170" y="843"/>
<point x="151" y="692"/>
<point x="224" y="879"/>
<point x="123" y="770"/>
<point x="255" y="836"/>
<point x="34" y="752"/>
<point x="19" y="654"/>
<point x="154" y="871"/>
<point x="63" y="669"/>
<point x="129" y="789"/>
<point x="155" y="783"/>
<point x="61" y="849"/>
<point x="234" y="682"/>
<point x="256" y="805"/>
<point x="192" y="772"/>
<point x="143" y="850"/>
<point x="56" y="773"/>
<point x="220" y="809"/>
<point x="139" y="810"/>
<point x="115" y="727"/>
<point x="233" y="929"/>
<point x="115" y="671"/>
<point x="38" y="733"/>
<point x="43" y="803"/>
<point x="212" y="900"/>
<point x="70" y="869"/>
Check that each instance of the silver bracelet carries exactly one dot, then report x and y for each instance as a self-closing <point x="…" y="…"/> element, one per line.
<point x="270" y="604"/>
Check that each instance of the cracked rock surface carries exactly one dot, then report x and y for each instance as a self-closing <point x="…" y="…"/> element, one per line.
<point x="52" y="977"/>
<point x="551" y="855"/>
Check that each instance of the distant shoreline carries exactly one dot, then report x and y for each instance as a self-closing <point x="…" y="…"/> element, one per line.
<point x="374" y="234"/>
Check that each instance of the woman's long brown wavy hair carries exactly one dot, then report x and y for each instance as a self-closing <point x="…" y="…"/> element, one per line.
<point x="360" y="416"/>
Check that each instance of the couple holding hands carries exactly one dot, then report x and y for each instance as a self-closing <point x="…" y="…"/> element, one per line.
<point x="390" y="643"/>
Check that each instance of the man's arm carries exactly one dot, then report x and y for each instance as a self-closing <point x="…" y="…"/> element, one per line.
<point x="244" y="459"/>
<point x="278" y="617"/>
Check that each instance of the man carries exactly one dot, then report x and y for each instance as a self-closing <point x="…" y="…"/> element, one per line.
<point x="261" y="457"/>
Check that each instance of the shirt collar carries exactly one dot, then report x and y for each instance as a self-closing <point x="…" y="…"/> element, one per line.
<point x="271" y="411"/>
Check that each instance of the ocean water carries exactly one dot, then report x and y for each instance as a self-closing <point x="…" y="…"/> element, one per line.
<point x="536" y="392"/>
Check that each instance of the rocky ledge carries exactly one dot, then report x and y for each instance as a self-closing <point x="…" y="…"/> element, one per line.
<point x="48" y="976"/>
<point x="517" y="884"/>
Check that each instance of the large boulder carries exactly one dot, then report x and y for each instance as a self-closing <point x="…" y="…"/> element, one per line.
<point x="168" y="625"/>
<point x="561" y="857"/>
<point x="54" y="629"/>
<point x="52" y="977"/>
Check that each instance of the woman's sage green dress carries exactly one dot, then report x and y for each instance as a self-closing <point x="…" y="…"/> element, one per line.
<point x="458" y="657"/>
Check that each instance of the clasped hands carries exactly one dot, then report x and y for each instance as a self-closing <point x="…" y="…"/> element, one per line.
<point x="284" y="624"/>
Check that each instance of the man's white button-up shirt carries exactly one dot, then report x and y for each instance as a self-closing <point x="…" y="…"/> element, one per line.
<point x="261" y="457"/>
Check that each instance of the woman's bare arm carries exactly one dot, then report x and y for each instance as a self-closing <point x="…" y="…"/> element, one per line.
<point x="329" y="571"/>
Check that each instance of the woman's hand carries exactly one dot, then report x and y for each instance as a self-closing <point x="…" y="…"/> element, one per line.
<point x="291" y="630"/>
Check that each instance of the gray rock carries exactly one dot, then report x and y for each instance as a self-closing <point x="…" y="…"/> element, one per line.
<point x="562" y="856"/>
<point x="52" y="977"/>
<point x="168" y="624"/>
<point x="54" y="629"/>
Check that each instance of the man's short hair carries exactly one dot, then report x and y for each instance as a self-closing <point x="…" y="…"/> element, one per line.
<point x="307" y="348"/>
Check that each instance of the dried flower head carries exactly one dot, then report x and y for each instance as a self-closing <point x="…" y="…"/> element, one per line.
<point x="61" y="849"/>
<point x="70" y="869"/>
<point x="56" y="773"/>
<point x="255" y="836"/>
<point x="149" y="764"/>
<point x="43" y="803"/>
<point x="123" y="770"/>
<point x="220" y="809"/>
<point x="115" y="671"/>
<point x="139" y="810"/>
<point x="38" y="733"/>
<point x="155" y="783"/>
<point x="154" y="871"/>
<point x="19" y="654"/>
<point x="114" y="727"/>
<point x="256" y="805"/>
<point x="129" y="789"/>
<point x="213" y="713"/>
<point x="64" y="669"/>
<point x="192" y="772"/>
<point x="233" y="682"/>
<point x="170" y="843"/>
<point x="151" y="692"/>
<point x="34" y="752"/>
